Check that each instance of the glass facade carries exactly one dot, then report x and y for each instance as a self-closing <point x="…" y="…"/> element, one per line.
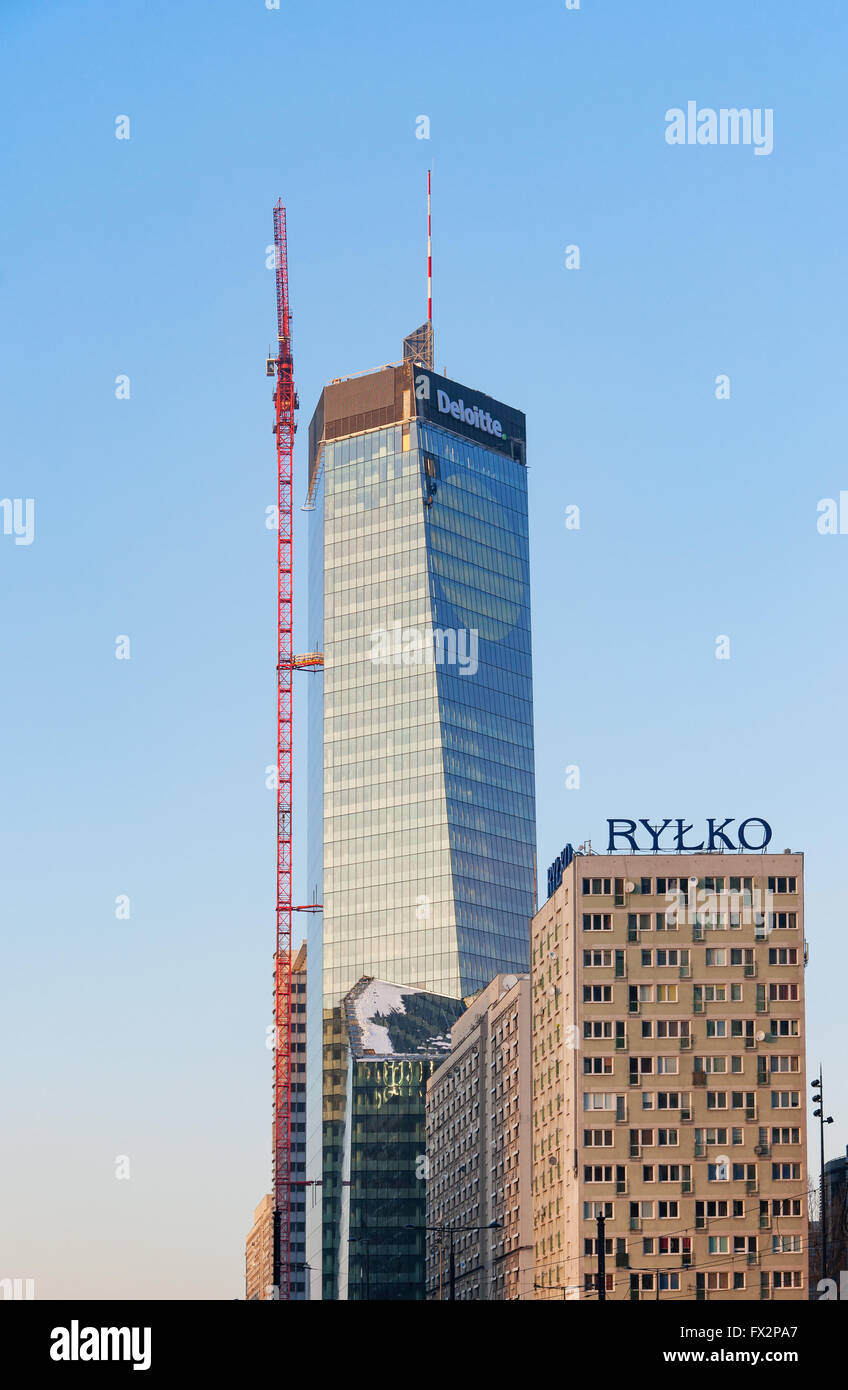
<point x="422" y="817"/>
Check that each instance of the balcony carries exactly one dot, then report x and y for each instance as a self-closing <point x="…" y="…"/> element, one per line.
<point x="751" y="1187"/>
<point x="686" y="1187"/>
<point x="686" y="1042"/>
<point x="621" y="1187"/>
<point x="765" y="1221"/>
<point x="635" y="1223"/>
<point x="635" y="1150"/>
<point x="620" y="1044"/>
<point x="686" y="972"/>
<point x="750" y="968"/>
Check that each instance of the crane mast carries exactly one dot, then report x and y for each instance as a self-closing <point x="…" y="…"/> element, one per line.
<point x="285" y="405"/>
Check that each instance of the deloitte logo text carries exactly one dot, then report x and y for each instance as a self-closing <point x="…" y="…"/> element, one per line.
<point x="471" y="414"/>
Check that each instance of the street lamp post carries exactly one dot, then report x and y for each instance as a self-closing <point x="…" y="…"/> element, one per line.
<point x="820" y="1116"/>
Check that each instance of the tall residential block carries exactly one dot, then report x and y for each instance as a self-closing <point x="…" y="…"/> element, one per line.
<point x="669" y="1077"/>
<point x="479" y="1151"/>
<point x="422" y="817"/>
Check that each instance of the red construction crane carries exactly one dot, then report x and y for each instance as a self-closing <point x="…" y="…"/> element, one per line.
<point x="285" y="405"/>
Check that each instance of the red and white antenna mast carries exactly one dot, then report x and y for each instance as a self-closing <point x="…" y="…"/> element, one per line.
<point x="429" y="259"/>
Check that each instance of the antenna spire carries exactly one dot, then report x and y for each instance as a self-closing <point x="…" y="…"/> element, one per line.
<point x="429" y="258"/>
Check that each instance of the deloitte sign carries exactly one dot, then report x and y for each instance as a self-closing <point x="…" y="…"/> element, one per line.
<point x="470" y="413"/>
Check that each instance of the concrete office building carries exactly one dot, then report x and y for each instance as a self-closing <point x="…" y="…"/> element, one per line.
<point x="421" y="796"/>
<point x="669" y="1090"/>
<point x="479" y="1151"/>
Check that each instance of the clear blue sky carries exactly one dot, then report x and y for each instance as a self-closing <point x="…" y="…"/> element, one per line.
<point x="145" y="777"/>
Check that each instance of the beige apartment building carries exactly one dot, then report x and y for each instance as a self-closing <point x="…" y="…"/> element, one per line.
<point x="669" y="1087"/>
<point x="479" y="1139"/>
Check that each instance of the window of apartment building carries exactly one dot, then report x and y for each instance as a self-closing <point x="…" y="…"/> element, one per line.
<point x="784" y="1134"/>
<point x="605" y="1172"/>
<point x="662" y="957"/>
<point x="597" y="958"/>
<point x="597" y="887"/>
<point x="785" y="1245"/>
<point x="785" y="1172"/>
<point x="666" y="994"/>
<point x="783" y="993"/>
<point x="590" y="1245"/>
<point x="742" y="955"/>
<point x="664" y="1100"/>
<point x="668" y="1066"/>
<point x="741" y="885"/>
<point x="598" y="1028"/>
<point x="597" y="994"/>
<point x="785" y="1100"/>
<point x="597" y="1138"/>
<point x="667" y="1138"/>
<point x="742" y="1028"/>
<point x="784" y="1027"/>
<point x="785" y="1063"/>
<point x="597" y="1066"/>
<point x="597" y="921"/>
<point x="666" y="921"/>
<point x="782" y="885"/>
<point x="716" y="957"/>
<point x="719" y="1135"/>
<point x="636" y="922"/>
<point x="782" y="921"/>
<point x="744" y="1172"/>
<point x="716" y="1027"/>
<point x="599" y="1100"/>
<point x="783" y="955"/>
<point x="710" y="1064"/>
<point x="592" y="1210"/>
<point x="786" y="1278"/>
<point x="718" y="1245"/>
<point x="665" y="1028"/>
<point x="590" y="1283"/>
<point x="714" y="1280"/>
<point x="666" y="1172"/>
<point x="668" y="1211"/>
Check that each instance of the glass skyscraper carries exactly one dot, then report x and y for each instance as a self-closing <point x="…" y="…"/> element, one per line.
<point x="421" y="797"/>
